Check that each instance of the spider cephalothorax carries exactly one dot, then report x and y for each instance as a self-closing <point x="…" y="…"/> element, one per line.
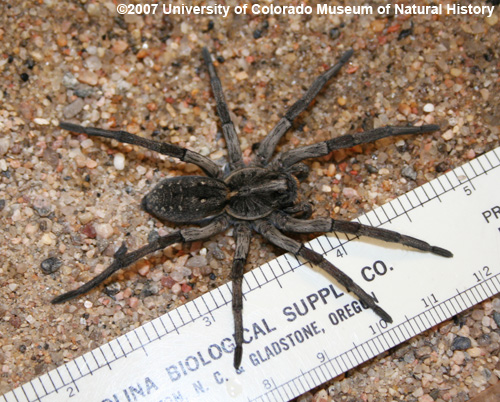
<point x="261" y="196"/>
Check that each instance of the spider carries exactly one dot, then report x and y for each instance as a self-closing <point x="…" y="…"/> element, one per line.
<point x="261" y="196"/>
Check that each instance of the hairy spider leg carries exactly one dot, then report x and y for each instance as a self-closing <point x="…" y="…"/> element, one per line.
<point x="243" y="234"/>
<point x="164" y="148"/>
<point x="291" y="157"/>
<point x="232" y="141"/>
<point x="122" y="259"/>
<point x="290" y="224"/>
<point x="273" y="235"/>
<point x="268" y="144"/>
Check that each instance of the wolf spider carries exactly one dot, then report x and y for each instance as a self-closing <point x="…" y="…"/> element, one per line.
<point x="261" y="196"/>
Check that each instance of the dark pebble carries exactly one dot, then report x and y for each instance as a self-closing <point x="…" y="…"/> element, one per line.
<point x="461" y="343"/>
<point x="409" y="173"/>
<point x="153" y="236"/>
<point x="334" y="33"/>
<point x="484" y="340"/>
<point x="50" y="265"/>
<point x="371" y="168"/>
<point x="496" y="317"/>
<point x="25" y="77"/>
<point x="112" y="289"/>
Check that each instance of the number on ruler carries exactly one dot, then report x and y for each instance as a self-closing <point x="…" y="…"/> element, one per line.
<point x="429" y="300"/>
<point x="379" y="326"/>
<point x="321" y="357"/>
<point x="482" y="274"/>
<point x="71" y="392"/>
<point x="468" y="190"/>
<point x="267" y="383"/>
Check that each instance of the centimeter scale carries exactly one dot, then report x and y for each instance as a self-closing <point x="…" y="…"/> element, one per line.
<point x="302" y="329"/>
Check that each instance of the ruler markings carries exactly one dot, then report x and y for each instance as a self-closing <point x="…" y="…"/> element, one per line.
<point x="24" y="392"/>
<point x="385" y="213"/>
<point x="470" y="171"/>
<point x="43" y="390"/>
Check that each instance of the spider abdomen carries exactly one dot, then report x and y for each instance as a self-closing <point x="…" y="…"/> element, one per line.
<point x="186" y="199"/>
<point x="255" y="192"/>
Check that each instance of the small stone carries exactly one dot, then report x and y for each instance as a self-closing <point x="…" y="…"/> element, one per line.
<point x="119" y="161"/>
<point x="491" y="21"/>
<point x="4" y="146"/>
<point x="119" y="47"/>
<point x="409" y="173"/>
<point x="133" y="302"/>
<point x="87" y="304"/>
<point x="112" y="289"/>
<point x="88" y="77"/>
<point x="196" y="261"/>
<point x="475" y="352"/>
<point x="104" y="230"/>
<point x="349" y="192"/>
<point x="93" y="63"/>
<point x="73" y="108"/>
<point x="428" y="108"/>
<point x="461" y="343"/>
<point x="242" y="75"/>
<point x="378" y="25"/>
<point x="470" y="154"/>
<point x="167" y="281"/>
<point x="50" y="265"/>
<point x="176" y="288"/>
<point x="46" y="239"/>
<point x="41" y="122"/>
<point x="447" y="135"/>
<point x="496" y="318"/>
<point x="320" y="396"/>
<point x="91" y="164"/>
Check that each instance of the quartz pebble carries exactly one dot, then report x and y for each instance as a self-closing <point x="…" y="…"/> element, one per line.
<point x="119" y="161"/>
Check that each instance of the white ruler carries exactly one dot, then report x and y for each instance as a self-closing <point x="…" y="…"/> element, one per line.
<point x="302" y="329"/>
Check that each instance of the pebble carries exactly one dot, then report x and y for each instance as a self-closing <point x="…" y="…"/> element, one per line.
<point x="50" y="265"/>
<point x="119" y="161"/>
<point x="73" y="108"/>
<point x="104" y="230"/>
<point x="4" y="146"/>
<point x="409" y="172"/>
<point x="40" y="121"/>
<point x="349" y="192"/>
<point x="461" y="343"/>
<point x="428" y="108"/>
<point x="88" y="77"/>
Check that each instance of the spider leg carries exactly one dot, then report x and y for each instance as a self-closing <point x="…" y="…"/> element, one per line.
<point x="302" y="210"/>
<point x="243" y="233"/>
<point x="123" y="259"/>
<point x="209" y="167"/>
<point x="289" y="158"/>
<point x="290" y="224"/>
<point x="268" y="144"/>
<point x="273" y="235"/>
<point x="233" y="144"/>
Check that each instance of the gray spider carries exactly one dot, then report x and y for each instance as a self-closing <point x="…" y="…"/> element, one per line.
<point x="261" y="196"/>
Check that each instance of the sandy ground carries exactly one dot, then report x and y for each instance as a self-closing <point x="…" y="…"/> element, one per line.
<point x="66" y="197"/>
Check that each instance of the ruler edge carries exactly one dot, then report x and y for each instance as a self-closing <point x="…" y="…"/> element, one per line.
<point x="266" y="265"/>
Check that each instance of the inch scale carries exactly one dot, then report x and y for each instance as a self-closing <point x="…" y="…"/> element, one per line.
<point x="302" y="330"/>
